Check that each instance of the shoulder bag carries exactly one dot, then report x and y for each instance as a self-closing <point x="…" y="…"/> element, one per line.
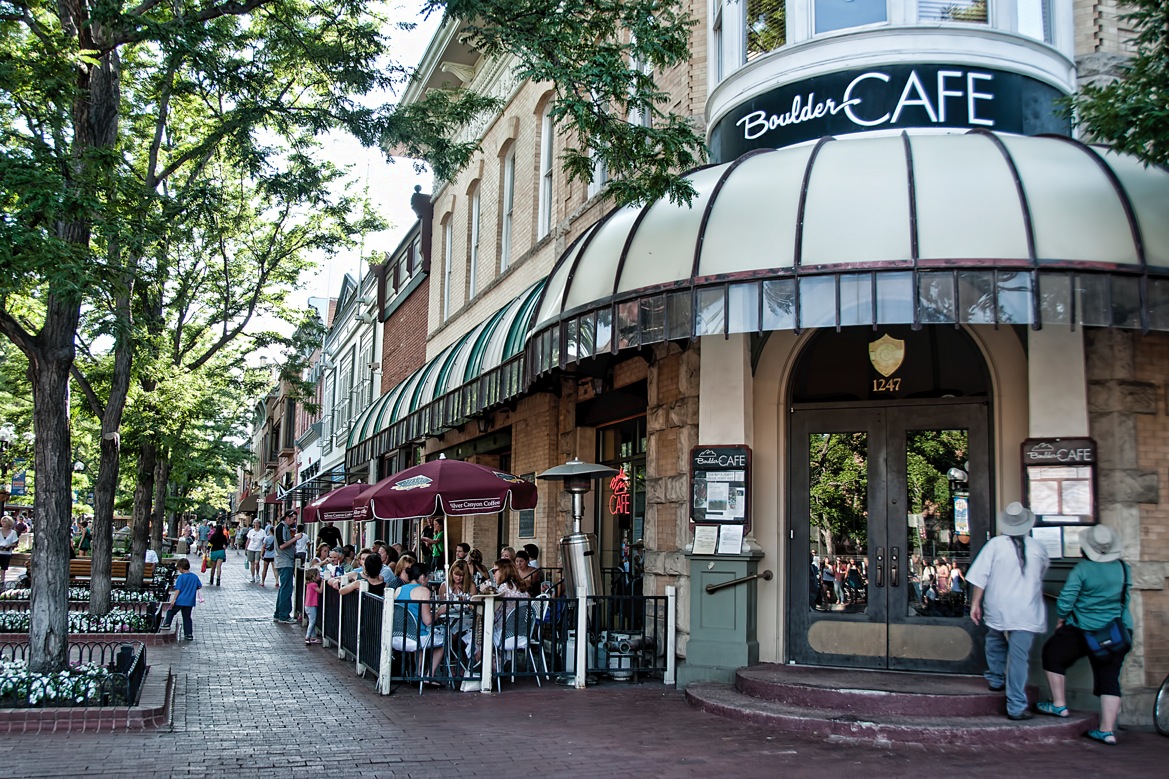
<point x="1112" y="640"/>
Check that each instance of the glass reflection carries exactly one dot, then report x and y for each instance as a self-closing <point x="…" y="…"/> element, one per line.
<point x="938" y="522"/>
<point x="838" y="498"/>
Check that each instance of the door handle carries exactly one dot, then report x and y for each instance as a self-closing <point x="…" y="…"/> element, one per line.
<point x="893" y="567"/>
<point x="880" y="566"/>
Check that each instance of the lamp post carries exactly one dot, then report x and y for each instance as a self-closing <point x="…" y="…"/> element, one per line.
<point x="581" y="566"/>
<point x="7" y="435"/>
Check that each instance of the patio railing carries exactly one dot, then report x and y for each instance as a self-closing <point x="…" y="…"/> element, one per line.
<point x="626" y="638"/>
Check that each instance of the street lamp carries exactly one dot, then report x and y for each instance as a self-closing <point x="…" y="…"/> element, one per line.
<point x="581" y="566"/>
<point x="78" y="466"/>
<point x="7" y="435"/>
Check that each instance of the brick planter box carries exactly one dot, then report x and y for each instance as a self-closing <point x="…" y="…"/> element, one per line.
<point x="155" y="711"/>
<point x="150" y="639"/>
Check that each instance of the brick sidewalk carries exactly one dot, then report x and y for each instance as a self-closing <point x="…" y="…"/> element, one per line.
<point x="233" y="718"/>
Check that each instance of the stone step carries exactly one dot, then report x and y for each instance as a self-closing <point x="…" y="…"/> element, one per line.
<point x="937" y="729"/>
<point x="868" y="692"/>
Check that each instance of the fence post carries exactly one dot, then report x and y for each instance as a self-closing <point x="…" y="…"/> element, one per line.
<point x="359" y="668"/>
<point x="671" y="631"/>
<point x="582" y="639"/>
<point x="488" y="644"/>
<point x="321" y="608"/>
<point x="386" y="668"/>
<point x="340" y="624"/>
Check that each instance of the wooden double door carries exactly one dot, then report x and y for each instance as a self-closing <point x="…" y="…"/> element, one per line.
<point x="889" y="504"/>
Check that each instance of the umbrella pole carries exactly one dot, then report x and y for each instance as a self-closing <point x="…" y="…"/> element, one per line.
<point x="446" y="548"/>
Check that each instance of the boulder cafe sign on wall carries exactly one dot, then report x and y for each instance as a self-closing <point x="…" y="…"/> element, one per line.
<point x="893" y="96"/>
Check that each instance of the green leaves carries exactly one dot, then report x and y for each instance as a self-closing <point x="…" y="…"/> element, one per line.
<point x="1132" y="114"/>
<point x="600" y="57"/>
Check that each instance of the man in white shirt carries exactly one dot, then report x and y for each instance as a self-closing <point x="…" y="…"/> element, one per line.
<point x="1006" y="581"/>
<point x="255" y="549"/>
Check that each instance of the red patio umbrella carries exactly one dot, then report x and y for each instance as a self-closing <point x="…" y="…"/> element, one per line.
<point x="333" y="506"/>
<point x="452" y="487"/>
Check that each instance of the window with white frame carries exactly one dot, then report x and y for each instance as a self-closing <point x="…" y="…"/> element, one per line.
<point x="544" y="220"/>
<point x="600" y="173"/>
<point x="842" y="14"/>
<point x="507" y="210"/>
<point x="767" y="26"/>
<point x="473" y="265"/>
<point x="448" y="261"/>
<point x="638" y="115"/>
<point x="969" y="11"/>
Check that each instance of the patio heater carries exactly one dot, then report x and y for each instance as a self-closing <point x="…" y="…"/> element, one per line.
<point x="579" y="549"/>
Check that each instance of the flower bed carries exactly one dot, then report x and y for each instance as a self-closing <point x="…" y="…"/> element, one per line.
<point x="82" y="593"/>
<point x="117" y="621"/>
<point x="82" y="684"/>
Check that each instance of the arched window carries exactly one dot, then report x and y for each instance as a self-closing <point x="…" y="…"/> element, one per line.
<point x="473" y="245"/>
<point x="507" y="209"/>
<point x="544" y="216"/>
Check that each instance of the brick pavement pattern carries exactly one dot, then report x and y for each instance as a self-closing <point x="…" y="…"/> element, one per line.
<point x="253" y="700"/>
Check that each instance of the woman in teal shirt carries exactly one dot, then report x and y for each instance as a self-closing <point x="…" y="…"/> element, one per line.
<point x="1095" y="593"/>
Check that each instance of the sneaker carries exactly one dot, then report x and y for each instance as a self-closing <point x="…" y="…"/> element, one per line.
<point x="314" y="640"/>
<point x="190" y="638"/>
<point x="287" y="621"/>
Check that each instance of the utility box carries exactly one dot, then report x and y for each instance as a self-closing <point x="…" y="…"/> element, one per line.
<point x="723" y="629"/>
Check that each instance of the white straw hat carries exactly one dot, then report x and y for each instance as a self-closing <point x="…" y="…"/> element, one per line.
<point x="1100" y="543"/>
<point x="1016" y="520"/>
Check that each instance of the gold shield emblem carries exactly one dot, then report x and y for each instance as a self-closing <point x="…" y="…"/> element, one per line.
<point x="886" y="354"/>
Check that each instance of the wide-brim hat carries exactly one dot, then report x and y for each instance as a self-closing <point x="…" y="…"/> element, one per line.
<point x="1016" y="520"/>
<point x="1100" y="543"/>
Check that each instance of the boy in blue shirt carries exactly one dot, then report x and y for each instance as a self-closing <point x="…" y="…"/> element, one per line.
<point x="182" y="599"/>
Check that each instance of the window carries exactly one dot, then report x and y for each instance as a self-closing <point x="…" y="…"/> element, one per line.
<point x="448" y="268"/>
<point x="473" y="268"/>
<point x="544" y="223"/>
<point x="1035" y="19"/>
<point x="767" y="25"/>
<point x="842" y="14"/>
<point x="507" y="210"/>
<point x="970" y="11"/>
<point x="600" y="173"/>
<point x="638" y="115"/>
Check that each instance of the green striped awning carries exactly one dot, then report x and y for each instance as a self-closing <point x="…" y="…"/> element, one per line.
<point x="480" y="370"/>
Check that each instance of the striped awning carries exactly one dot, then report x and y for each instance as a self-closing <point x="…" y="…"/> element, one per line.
<point x="477" y="372"/>
<point x="918" y="228"/>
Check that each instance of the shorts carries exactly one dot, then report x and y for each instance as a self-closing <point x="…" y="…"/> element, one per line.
<point x="254" y="555"/>
<point x="219" y="554"/>
<point x="1066" y="645"/>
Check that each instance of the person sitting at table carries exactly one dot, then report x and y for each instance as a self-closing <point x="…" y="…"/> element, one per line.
<point x="529" y="576"/>
<point x="459" y="584"/>
<point x="508" y="587"/>
<point x="404" y="562"/>
<point x="321" y="558"/>
<point x="417" y="597"/>
<point x="371" y="573"/>
<point x="479" y="571"/>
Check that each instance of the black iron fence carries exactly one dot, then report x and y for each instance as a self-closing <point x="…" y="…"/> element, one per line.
<point x="452" y="642"/>
<point x="119" y="681"/>
<point x="369" y="632"/>
<point x="330" y="615"/>
<point x="349" y="622"/>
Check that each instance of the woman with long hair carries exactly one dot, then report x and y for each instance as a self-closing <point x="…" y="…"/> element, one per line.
<point x="217" y="542"/>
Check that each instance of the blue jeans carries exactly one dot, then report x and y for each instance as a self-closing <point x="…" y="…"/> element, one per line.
<point x="284" y="594"/>
<point x="1007" y="656"/>
<point x="188" y="624"/>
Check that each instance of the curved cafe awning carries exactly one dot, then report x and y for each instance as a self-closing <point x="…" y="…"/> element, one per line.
<point x="479" y="371"/>
<point x="975" y="228"/>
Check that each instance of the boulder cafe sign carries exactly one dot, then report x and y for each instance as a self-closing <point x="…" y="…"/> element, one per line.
<point x="893" y="96"/>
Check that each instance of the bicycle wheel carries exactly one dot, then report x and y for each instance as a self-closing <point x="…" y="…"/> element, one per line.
<point x="1161" y="708"/>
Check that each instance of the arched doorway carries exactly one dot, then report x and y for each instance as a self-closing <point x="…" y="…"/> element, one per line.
<point x="891" y="490"/>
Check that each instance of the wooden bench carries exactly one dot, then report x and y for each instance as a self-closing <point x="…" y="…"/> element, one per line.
<point x="81" y="569"/>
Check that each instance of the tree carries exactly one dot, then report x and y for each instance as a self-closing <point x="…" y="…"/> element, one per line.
<point x="111" y="116"/>
<point x="1132" y="113"/>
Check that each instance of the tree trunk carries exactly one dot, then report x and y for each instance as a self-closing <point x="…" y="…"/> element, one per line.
<point x="161" y="477"/>
<point x="100" y="584"/>
<point x="49" y="365"/>
<point x="140" y="517"/>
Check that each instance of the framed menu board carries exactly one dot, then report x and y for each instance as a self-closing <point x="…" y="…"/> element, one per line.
<point x="720" y="478"/>
<point x="1059" y="480"/>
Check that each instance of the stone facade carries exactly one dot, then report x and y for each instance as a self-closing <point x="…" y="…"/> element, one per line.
<point x="1128" y="382"/>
